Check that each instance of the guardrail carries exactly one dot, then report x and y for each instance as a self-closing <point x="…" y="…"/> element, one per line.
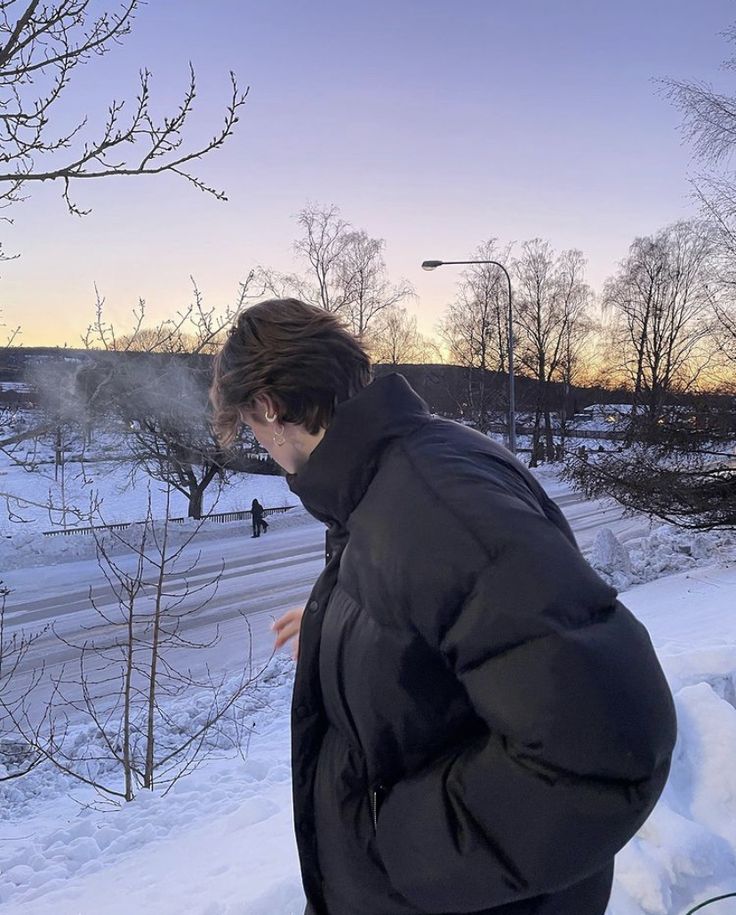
<point x="218" y="518"/>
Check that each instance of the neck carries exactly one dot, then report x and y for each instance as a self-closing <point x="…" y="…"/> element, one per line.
<point x="304" y="445"/>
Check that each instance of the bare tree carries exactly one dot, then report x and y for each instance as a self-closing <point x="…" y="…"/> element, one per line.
<point x="17" y="755"/>
<point x="368" y="292"/>
<point x="324" y="244"/>
<point x="709" y="117"/>
<point x="660" y="302"/>
<point x="195" y="329"/>
<point x="11" y="334"/>
<point x="551" y="313"/>
<point x="709" y="125"/>
<point x="720" y="215"/>
<point x="671" y="306"/>
<point x="159" y="404"/>
<point x="59" y="427"/>
<point x="149" y="387"/>
<point x="396" y="340"/>
<point x="7" y="413"/>
<point x="156" y="381"/>
<point x="676" y="464"/>
<point x="475" y="329"/>
<point x="725" y="313"/>
<point x="129" y="682"/>
<point x="166" y="407"/>
<point x="345" y="271"/>
<point x="578" y="331"/>
<point x="42" y="46"/>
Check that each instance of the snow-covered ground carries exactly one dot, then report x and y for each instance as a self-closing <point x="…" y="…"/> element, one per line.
<point x="119" y="499"/>
<point x="37" y="504"/>
<point x="686" y="851"/>
<point x="220" y="843"/>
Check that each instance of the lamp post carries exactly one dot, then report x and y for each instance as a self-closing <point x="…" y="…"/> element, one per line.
<point x="432" y="265"/>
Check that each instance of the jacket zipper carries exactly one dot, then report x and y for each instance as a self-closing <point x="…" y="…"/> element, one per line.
<point x="374" y="806"/>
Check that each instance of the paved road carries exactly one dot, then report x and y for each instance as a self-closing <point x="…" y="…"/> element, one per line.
<point x="257" y="582"/>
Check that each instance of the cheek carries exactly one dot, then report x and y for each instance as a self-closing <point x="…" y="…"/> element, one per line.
<point x="262" y="438"/>
<point x="262" y="434"/>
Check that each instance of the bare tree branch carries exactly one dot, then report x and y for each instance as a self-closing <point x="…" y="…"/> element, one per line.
<point x="41" y="49"/>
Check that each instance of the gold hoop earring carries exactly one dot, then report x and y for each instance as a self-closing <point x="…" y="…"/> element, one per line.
<point x="271" y="419"/>
<point x="278" y="437"/>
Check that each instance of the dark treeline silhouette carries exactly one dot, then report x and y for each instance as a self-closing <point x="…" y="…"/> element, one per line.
<point x="444" y="387"/>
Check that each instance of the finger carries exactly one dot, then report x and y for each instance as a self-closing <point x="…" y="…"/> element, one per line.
<point x="286" y="634"/>
<point x="282" y="640"/>
<point x="289" y="617"/>
<point x="288" y="626"/>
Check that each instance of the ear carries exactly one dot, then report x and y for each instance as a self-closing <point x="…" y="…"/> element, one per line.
<point x="265" y="404"/>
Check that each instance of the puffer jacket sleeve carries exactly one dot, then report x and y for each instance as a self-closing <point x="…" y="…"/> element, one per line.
<point x="578" y="728"/>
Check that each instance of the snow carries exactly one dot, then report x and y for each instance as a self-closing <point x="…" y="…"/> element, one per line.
<point x="22" y="526"/>
<point x="686" y="851"/>
<point x="20" y="387"/>
<point x="662" y="551"/>
<point x="602" y="417"/>
<point x="27" y="548"/>
<point x="611" y="558"/>
<point x="221" y="842"/>
<point x="120" y="498"/>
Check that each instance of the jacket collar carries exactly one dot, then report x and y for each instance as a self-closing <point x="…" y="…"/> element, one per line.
<point x="340" y="468"/>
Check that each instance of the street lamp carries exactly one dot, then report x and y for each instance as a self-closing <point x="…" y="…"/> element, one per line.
<point x="432" y="265"/>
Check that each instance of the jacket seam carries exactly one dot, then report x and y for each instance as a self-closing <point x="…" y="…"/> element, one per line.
<point x="578" y="626"/>
<point x="459" y="520"/>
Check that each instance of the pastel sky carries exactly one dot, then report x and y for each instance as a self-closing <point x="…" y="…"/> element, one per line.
<point x="431" y="124"/>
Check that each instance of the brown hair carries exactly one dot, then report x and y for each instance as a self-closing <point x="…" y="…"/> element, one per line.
<point x="300" y="355"/>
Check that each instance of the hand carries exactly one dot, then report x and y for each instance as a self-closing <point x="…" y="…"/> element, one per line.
<point x="287" y="628"/>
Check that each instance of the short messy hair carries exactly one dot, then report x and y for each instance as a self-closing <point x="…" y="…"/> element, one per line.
<point x="302" y="356"/>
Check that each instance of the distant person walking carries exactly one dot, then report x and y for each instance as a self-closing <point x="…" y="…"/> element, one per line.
<point x="259" y="523"/>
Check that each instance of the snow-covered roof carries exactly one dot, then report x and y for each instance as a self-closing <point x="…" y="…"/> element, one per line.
<point x="623" y="409"/>
<point x="19" y="387"/>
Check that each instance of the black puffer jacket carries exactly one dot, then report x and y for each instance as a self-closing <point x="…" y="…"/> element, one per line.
<point x="478" y="725"/>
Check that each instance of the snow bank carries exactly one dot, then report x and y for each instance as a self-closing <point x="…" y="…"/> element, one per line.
<point x="665" y="551"/>
<point x="686" y="851"/>
<point x="221" y="842"/>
